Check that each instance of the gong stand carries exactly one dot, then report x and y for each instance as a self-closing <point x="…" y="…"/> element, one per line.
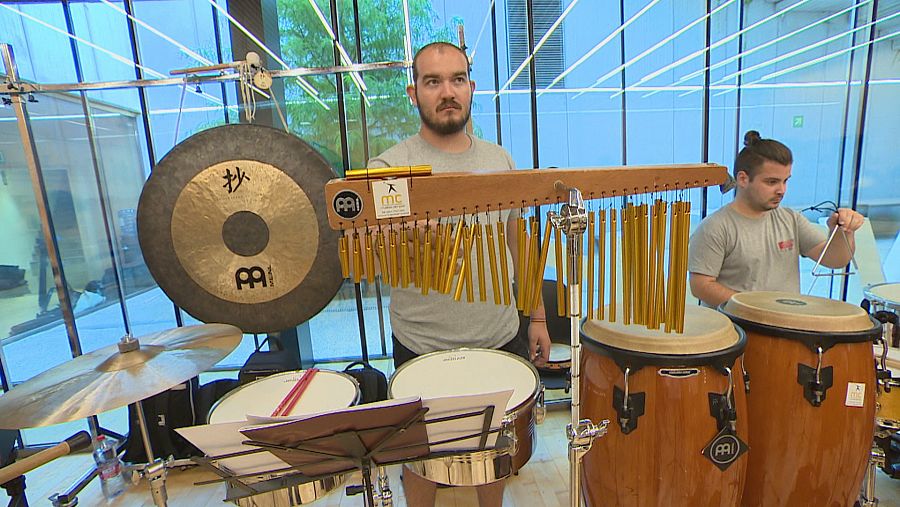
<point x="572" y="220"/>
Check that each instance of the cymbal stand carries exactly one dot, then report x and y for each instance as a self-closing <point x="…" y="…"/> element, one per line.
<point x="572" y="220"/>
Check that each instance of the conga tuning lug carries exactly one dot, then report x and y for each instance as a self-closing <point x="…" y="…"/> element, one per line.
<point x="815" y="391"/>
<point x="628" y="411"/>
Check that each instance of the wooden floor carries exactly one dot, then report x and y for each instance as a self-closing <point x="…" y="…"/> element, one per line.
<point x="543" y="482"/>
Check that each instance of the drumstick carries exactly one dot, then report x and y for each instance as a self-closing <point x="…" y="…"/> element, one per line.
<point x="590" y="267"/>
<point x="293" y="396"/>
<point x="370" y="258"/>
<point x="601" y="266"/>
<point x="504" y="267"/>
<point x="479" y="252"/>
<point x="404" y="256"/>
<point x="492" y="258"/>
<point x="344" y="254"/>
<point x="612" y="264"/>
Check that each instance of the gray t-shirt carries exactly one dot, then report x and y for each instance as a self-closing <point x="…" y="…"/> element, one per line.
<point x="436" y="322"/>
<point x="752" y="254"/>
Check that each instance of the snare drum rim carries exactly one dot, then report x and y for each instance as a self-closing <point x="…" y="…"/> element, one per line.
<point x="534" y="371"/>
<point x="637" y="360"/>
<point x="880" y="300"/>
<point x="812" y="339"/>
<point x="238" y="388"/>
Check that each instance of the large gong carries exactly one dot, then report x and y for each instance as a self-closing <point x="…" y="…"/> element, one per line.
<point x="232" y="225"/>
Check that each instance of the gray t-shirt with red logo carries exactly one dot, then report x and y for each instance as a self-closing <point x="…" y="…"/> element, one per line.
<point x="751" y="254"/>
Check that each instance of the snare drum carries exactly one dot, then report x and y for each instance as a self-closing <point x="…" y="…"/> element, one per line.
<point x="887" y="406"/>
<point x="885" y="297"/>
<point x="474" y="371"/>
<point x="812" y="397"/>
<point x="677" y="411"/>
<point x="328" y="390"/>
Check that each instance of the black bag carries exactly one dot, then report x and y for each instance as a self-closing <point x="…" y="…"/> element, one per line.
<point x="263" y="363"/>
<point x="209" y="394"/>
<point x="175" y="408"/>
<point x="372" y="381"/>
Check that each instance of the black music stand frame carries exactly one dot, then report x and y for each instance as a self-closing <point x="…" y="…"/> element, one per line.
<point x="354" y="450"/>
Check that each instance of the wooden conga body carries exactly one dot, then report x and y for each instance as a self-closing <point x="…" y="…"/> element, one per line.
<point x="806" y="450"/>
<point x="660" y="461"/>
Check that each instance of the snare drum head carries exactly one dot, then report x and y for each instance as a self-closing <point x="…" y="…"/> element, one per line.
<point x="465" y="372"/>
<point x="328" y="390"/>
<point x="705" y="331"/>
<point x="560" y="353"/>
<point x="798" y="312"/>
<point x="887" y="294"/>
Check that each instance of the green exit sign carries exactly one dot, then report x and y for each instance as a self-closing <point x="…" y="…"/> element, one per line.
<point x="798" y="122"/>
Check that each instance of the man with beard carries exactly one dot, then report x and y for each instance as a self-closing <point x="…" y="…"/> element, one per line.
<point x="443" y="95"/>
<point x="753" y="244"/>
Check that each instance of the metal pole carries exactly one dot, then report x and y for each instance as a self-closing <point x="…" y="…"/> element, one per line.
<point x="43" y="205"/>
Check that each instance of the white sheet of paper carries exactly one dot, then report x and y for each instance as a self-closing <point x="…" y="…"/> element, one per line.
<point x="226" y="438"/>
<point x="455" y="405"/>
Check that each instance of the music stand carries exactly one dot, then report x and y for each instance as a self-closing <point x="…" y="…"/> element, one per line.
<point x="397" y="435"/>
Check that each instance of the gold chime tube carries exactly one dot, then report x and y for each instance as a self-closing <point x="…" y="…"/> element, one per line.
<point x="504" y="264"/>
<point x="467" y="263"/>
<point x="394" y="261"/>
<point x="382" y="254"/>
<point x="529" y="276"/>
<point x="404" y="256"/>
<point x="612" y="264"/>
<point x="426" y="261"/>
<point x="651" y="259"/>
<point x="479" y="253"/>
<point x="461" y="281"/>
<point x="447" y="243"/>
<point x="357" y="258"/>
<point x="626" y="263"/>
<point x="344" y="254"/>
<point x="682" y="278"/>
<point x="560" y="273"/>
<point x="370" y="258"/>
<point x="384" y="172"/>
<point x="673" y="247"/>
<point x="660" y="287"/>
<point x="601" y="266"/>
<point x="589" y="234"/>
<point x="644" y="267"/>
<point x="417" y="257"/>
<point x="453" y="255"/>
<point x="492" y="260"/>
<point x="521" y="260"/>
<point x="538" y="280"/>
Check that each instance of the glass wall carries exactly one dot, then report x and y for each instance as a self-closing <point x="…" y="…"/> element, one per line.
<point x="631" y="82"/>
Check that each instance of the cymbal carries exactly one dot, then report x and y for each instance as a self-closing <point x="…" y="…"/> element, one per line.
<point x="107" y="378"/>
<point x="233" y="228"/>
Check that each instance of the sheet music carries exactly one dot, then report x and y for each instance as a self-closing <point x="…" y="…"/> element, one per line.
<point x="226" y="438"/>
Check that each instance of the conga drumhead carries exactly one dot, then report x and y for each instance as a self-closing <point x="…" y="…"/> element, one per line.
<point x="464" y="372"/>
<point x="798" y="312"/>
<point x="328" y="390"/>
<point x="705" y="331"/>
<point x="885" y="294"/>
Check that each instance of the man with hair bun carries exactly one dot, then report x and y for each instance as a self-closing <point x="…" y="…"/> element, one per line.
<point x="753" y="244"/>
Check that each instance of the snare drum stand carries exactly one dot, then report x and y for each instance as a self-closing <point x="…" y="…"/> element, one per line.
<point x="572" y="220"/>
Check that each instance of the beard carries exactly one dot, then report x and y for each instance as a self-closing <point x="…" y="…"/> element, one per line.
<point x="449" y="125"/>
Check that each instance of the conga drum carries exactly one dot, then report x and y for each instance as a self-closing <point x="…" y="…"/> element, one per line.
<point x="327" y="391"/>
<point x="811" y="400"/>
<point x="677" y="410"/>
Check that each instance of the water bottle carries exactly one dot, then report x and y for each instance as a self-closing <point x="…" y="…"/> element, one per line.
<point x="109" y="467"/>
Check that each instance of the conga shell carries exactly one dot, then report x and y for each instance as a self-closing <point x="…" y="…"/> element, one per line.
<point x="660" y="463"/>
<point x="801" y="454"/>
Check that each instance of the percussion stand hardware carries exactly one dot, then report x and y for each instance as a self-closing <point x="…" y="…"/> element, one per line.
<point x="815" y="381"/>
<point x="822" y="256"/>
<point x="876" y="459"/>
<point x="572" y="220"/>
